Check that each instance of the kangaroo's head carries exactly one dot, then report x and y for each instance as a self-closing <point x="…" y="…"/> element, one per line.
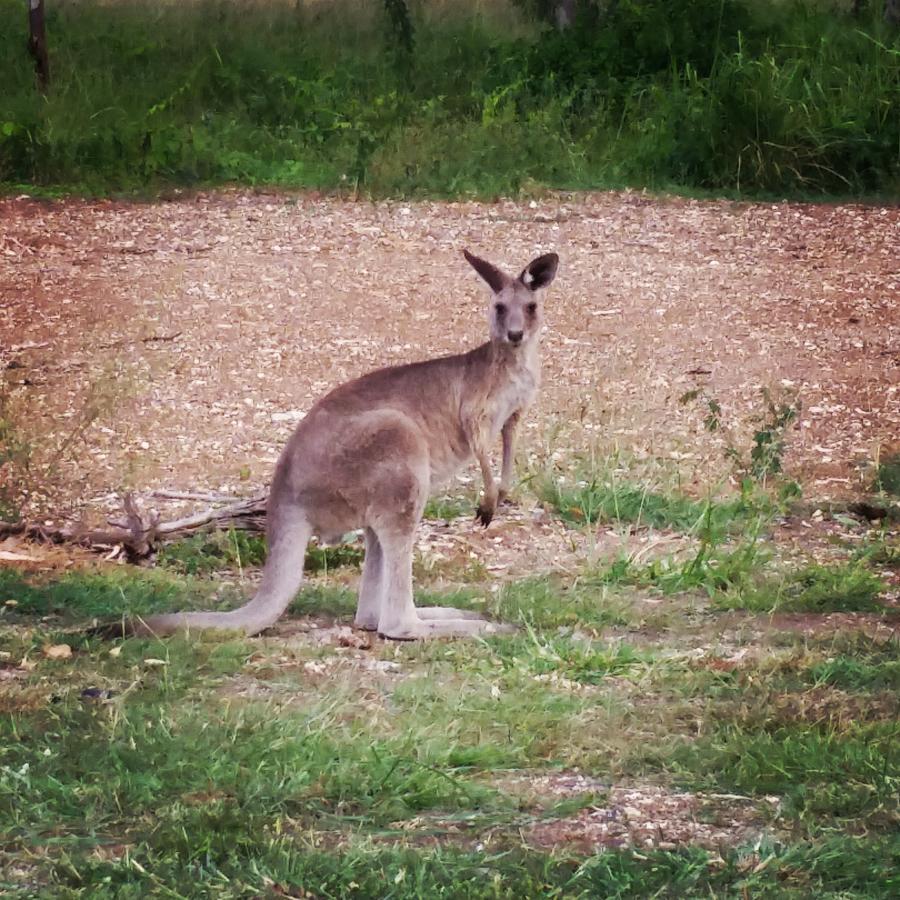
<point x="516" y="311"/>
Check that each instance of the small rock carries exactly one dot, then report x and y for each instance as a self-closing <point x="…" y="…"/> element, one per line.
<point x="95" y="693"/>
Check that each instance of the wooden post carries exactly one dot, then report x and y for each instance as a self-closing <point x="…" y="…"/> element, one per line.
<point x="37" y="42"/>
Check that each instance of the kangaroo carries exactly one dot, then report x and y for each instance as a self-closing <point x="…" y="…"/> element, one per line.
<point x="368" y="454"/>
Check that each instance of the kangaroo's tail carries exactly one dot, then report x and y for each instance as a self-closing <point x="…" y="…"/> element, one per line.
<point x="282" y="577"/>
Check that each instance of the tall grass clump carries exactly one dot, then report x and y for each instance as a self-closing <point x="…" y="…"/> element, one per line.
<point x="450" y="99"/>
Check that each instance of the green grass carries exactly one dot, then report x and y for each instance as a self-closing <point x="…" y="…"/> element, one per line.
<point x="109" y="592"/>
<point x="143" y="767"/>
<point x="578" y="660"/>
<point x="551" y="603"/>
<point x="823" y="773"/>
<point x="447" y="507"/>
<point x="846" y="868"/>
<point x="324" y="599"/>
<point x="815" y="725"/>
<point x="852" y="674"/>
<point x="204" y="554"/>
<point x="817" y="589"/>
<point x="604" y="498"/>
<point x="715" y="96"/>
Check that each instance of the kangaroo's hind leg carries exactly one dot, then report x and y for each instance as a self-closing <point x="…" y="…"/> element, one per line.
<point x="399" y="619"/>
<point x="371" y="584"/>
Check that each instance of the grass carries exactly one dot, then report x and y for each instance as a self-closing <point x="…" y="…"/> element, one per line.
<point x="595" y="499"/>
<point x="851" y="674"/>
<point x="550" y="603"/>
<point x="856" y="868"/>
<point x="605" y="491"/>
<point x="447" y="507"/>
<point x="818" y="589"/>
<point x="107" y="593"/>
<point x="730" y="553"/>
<point x="821" y="773"/>
<point x="291" y="764"/>
<point x="205" y="554"/>
<point x="716" y="96"/>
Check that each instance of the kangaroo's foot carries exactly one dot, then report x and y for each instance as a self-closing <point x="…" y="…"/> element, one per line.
<point x="447" y="612"/>
<point x="420" y="629"/>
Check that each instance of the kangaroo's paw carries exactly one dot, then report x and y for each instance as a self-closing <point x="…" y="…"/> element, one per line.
<point x="485" y="513"/>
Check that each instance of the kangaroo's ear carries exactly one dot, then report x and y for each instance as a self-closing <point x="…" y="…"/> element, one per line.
<point x="540" y="272"/>
<point x="490" y="273"/>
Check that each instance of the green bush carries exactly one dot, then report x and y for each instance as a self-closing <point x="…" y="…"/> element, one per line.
<point x="718" y="95"/>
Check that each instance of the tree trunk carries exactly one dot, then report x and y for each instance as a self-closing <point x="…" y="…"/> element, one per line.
<point x="565" y="13"/>
<point x="892" y="12"/>
<point x="37" y="42"/>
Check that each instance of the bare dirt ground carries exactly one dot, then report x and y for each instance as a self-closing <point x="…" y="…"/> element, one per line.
<point x="204" y="327"/>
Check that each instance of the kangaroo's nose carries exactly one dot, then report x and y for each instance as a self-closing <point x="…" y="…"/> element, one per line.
<point x="515" y="337"/>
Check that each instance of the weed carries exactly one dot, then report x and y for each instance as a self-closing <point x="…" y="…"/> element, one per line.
<point x="887" y="474"/>
<point x="322" y="599"/>
<point x="853" y="674"/>
<point x="30" y="464"/>
<point x="764" y="458"/>
<point x="202" y="554"/>
<point x="714" y="566"/>
<point x="569" y="659"/>
<point x="591" y="495"/>
<point x="884" y="550"/>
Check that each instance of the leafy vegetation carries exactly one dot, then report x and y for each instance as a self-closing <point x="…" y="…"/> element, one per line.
<point x="719" y="95"/>
<point x="820" y="771"/>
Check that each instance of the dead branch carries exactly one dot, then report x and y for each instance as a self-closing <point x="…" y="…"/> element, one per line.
<point x="139" y="533"/>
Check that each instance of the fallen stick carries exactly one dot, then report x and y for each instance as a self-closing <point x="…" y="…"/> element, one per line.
<point x="140" y="533"/>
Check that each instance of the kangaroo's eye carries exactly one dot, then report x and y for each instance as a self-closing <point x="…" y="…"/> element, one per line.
<point x="532" y="308"/>
<point x="500" y="309"/>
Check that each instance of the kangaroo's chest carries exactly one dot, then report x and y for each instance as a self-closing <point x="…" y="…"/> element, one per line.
<point x="516" y="393"/>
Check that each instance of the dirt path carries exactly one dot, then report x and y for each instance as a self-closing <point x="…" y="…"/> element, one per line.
<point x="208" y="325"/>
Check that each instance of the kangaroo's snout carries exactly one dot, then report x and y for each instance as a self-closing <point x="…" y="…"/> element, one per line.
<point x="515" y="337"/>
